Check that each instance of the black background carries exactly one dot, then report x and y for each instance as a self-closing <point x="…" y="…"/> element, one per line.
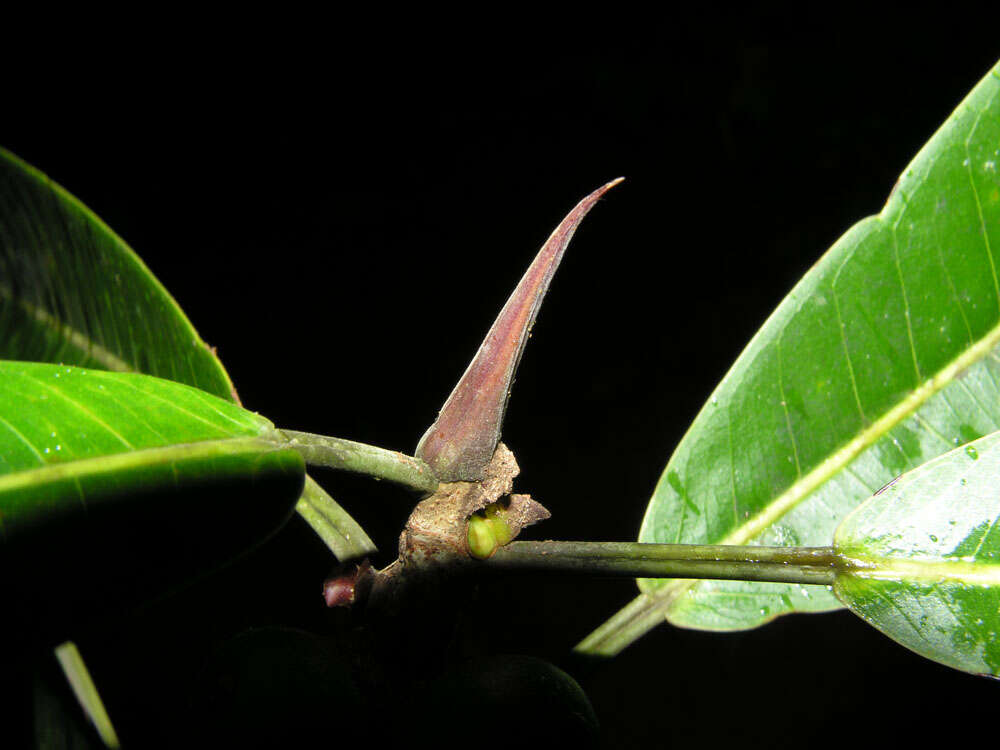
<point x="342" y="214"/>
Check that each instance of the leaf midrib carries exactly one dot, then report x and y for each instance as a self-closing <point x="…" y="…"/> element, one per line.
<point x="937" y="570"/>
<point x="72" y="336"/>
<point x="114" y="462"/>
<point x="76" y="338"/>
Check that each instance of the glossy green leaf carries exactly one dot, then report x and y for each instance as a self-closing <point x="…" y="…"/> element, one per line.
<point x="124" y="480"/>
<point x="882" y="357"/>
<point x="923" y="559"/>
<point x="72" y="291"/>
<point x="52" y="415"/>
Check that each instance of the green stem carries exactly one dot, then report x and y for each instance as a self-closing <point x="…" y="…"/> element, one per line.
<point x="346" y="455"/>
<point x="804" y="565"/>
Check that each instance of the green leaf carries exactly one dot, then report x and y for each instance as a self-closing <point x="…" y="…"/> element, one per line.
<point x="882" y="357"/>
<point x="128" y="482"/>
<point x="923" y="559"/>
<point x="72" y="291"/>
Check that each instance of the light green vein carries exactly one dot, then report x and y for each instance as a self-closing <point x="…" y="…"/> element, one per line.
<point x="906" y="301"/>
<point x="204" y="398"/>
<point x="954" y="294"/>
<point x="136" y="417"/>
<point x="22" y="438"/>
<point x="847" y="353"/>
<point x="979" y="208"/>
<point x="784" y="409"/>
<point x="932" y="430"/>
<point x="986" y="535"/>
<point x="732" y="467"/>
<point x="77" y="405"/>
<point x="171" y="404"/>
<point x="104" y="357"/>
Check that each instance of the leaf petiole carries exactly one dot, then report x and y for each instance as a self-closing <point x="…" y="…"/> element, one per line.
<point x="802" y="565"/>
<point x="359" y="458"/>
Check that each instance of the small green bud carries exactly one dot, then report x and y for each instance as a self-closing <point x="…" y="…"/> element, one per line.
<point x="481" y="540"/>
<point x="496" y="516"/>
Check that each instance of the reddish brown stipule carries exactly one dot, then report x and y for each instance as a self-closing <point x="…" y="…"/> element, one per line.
<point x="461" y="441"/>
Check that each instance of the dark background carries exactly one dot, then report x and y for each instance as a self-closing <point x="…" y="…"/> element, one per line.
<point x="342" y="214"/>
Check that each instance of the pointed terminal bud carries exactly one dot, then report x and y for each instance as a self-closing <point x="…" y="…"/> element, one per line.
<point x="460" y="444"/>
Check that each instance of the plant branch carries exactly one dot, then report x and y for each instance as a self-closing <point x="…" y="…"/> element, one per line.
<point x="803" y="565"/>
<point x="359" y="458"/>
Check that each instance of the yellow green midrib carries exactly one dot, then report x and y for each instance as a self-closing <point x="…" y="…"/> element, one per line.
<point x="114" y="462"/>
<point x="931" y="570"/>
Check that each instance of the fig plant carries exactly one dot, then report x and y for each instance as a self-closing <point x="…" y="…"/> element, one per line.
<point x="846" y="460"/>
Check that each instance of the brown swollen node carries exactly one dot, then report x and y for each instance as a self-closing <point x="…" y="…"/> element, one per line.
<point x="438" y="528"/>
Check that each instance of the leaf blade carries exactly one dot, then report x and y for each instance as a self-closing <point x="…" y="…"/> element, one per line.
<point x="72" y="291"/>
<point x="923" y="559"/>
<point x="850" y="382"/>
<point x="85" y="484"/>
